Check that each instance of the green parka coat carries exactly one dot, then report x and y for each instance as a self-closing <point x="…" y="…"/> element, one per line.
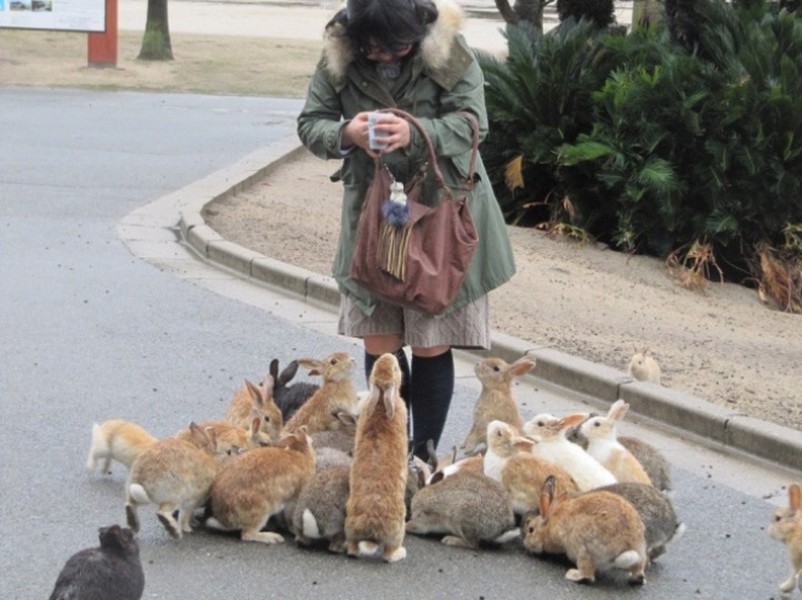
<point x="439" y="79"/>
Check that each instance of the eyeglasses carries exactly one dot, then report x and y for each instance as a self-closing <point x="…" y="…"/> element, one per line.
<point x="376" y="52"/>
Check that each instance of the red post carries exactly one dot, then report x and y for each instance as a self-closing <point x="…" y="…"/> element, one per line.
<point x="102" y="46"/>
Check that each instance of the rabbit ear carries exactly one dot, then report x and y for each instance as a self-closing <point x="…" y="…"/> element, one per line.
<point x="521" y="366"/>
<point x="546" y="496"/>
<point x="315" y="367"/>
<point x="794" y="497"/>
<point x="373" y="397"/>
<point x="388" y="396"/>
<point x="266" y="390"/>
<point x="253" y="391"/>
<point x="617" y="410"/>
<point x="288" y="373"/>
<point x="573" y="419"/>
<point x="274" y="368"/>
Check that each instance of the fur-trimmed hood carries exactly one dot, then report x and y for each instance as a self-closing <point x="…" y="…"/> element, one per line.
<point x="435" y="48"/>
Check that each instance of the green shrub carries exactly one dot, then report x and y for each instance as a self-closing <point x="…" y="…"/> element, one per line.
<point x="658" y="145"/>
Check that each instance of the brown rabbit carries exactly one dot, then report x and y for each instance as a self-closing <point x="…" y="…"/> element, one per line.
<point x="787" y="528"/>
<point x="495" y="401"/>
<point x="598" y="531"/>
<point x="257" y="484"/>
<point x="231" y="438"/>
<point x="521" y="473"/>
<point x="117" y="440"/>
<point x="251" y="400"/>
<point x="336" y="393"/>
<point x="375" y="511"/>
<point x="174" y="474"/>
<point x="604" y="446"/>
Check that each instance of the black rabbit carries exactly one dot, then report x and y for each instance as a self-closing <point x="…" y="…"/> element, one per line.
<point x="111" y="571"/>
<point x="289" y="398"/>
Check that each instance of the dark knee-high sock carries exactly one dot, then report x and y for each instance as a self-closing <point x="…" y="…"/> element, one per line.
<point x="402" y="362"/>
<point x="430" y="388"/>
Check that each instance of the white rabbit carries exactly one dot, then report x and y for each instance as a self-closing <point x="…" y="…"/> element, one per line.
<point x="554" y="446"/>
<point x="644" y="367"/>
<point x="509" y="461"/>
<point x="495" y="401"/>
<point x="604" y="446"/>
<point x="116" y="440"/>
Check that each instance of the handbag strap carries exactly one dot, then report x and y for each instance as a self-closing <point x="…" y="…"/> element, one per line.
<point x="438" y="175"/>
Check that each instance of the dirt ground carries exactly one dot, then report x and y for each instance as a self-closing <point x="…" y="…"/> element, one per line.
<point x="723" y="346"/>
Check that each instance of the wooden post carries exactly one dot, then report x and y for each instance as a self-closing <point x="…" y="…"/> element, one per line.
<point x="102" y="46"/>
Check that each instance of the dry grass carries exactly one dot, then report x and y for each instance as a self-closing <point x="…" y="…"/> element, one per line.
<point x="207" y="64"/>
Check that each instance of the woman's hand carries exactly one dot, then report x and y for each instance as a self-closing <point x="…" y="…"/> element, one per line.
<point x="392" y="129"/>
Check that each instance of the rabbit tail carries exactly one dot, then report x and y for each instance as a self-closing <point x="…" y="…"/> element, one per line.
<point x="310" y="527"/>
<point x="627" y="560"/>
<point x="138" y="494"/>
<point x="508" y="536"/>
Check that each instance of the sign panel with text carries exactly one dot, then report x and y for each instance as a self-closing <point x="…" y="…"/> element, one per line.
<point x="66" y="15"/>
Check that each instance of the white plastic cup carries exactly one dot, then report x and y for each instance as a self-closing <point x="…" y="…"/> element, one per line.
<point x="374" y="140"/>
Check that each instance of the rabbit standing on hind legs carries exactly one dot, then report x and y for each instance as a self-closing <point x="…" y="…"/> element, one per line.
<point x="375" y="511"/>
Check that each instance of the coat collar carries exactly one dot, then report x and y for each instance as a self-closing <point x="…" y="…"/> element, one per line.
<point x="443" y="58"/>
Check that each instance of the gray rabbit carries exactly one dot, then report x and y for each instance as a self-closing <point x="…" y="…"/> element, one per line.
<point x="289" y="398"/>
<point x="112" y="570"/>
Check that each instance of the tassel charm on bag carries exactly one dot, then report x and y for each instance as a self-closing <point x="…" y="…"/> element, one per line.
<point x="394" y="231"/>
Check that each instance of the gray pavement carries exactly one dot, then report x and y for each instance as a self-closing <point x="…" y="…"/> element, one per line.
<point x="106" y="313"/>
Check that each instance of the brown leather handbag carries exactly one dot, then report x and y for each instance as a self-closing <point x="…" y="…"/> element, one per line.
<point x="410" y="254"/>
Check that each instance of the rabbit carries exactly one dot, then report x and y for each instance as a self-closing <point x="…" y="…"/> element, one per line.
<point x="116" y="440"/>
<point x="230" y="437"/>
<point x="495" y="401"/>
<point x="468" y="507"/>
<point x="112" y="570"/>
<point x="651" y="459"/>
<point x="252" y="400"/>
<point x="376" y="511"/>
<point x="174" y="474"/>
<point x="644" y="367"/>
<point x="336" y="393"/>
<point x="554" y="446"/>
<point x="520" y="473"/>
<point x="289" y="398"/>
<point x="597" y="530"/>
<point x="604" y="446"/>
<point x="341" y="438"/>
<point x="787" y="528"/>
<point x="656" y="512"/>
<point x="319" y="512"/>
<point x="258" y="484"/>
<point x="327" y="456"/>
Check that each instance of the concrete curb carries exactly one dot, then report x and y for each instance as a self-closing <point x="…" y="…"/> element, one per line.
<point x="734" y="430"/>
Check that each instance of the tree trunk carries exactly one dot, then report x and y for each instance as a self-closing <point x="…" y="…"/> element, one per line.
<point x="645" y="12"/>
<point x="523" y="13"/>
<point x="156" y="42"/>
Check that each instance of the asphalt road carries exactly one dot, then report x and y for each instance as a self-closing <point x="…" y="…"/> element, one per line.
<point x="93" y="327"/>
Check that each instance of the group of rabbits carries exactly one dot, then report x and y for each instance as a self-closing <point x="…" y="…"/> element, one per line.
<point x="328" y="465"/>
